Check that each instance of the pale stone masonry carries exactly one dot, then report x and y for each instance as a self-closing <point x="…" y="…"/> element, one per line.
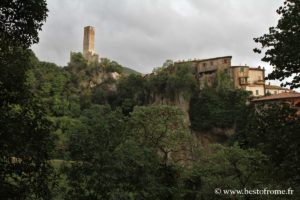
<point x="274" y="89"/>
<point x="88" y="45"/>
<point x="88" y="41"/>
<point x="249" y="78"/>
<point x="244" y="77"/>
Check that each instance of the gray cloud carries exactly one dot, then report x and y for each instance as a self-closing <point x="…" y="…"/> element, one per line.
<point x="143" y="34"/>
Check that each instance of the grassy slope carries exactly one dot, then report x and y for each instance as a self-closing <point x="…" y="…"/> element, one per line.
<point x="128" y="71"/>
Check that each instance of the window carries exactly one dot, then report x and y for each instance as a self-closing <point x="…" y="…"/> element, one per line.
<point x="211" y="63"/>
<point x="243" y="80"/>
<point x="275" y="92"/>
<point x="242" y="69"/>
<point x="257" y="92"/>
<point x="225" y="61"/>
<point x="204" y="64"/>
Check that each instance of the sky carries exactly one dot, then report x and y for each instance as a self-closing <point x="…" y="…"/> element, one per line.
<point x="142" y="34"/>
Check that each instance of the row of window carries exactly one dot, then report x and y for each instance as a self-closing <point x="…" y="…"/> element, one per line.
<point x="212" y="63"/>
<point x="256" y="92"/>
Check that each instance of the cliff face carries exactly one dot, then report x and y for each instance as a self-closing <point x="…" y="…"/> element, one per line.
<point x="98" y="78"/>
<point x="179" y="100"/>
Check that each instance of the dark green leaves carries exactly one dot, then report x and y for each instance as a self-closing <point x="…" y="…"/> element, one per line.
<point x="281" y="45"/>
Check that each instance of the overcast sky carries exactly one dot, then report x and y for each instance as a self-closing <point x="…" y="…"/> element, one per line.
<point x="142" y="34"/>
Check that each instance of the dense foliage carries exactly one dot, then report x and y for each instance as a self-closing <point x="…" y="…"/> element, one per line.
<point x="25" y="139"/>
<point x="100" y="131"/>
<point x="104" y="131"/>
<point x="219" y="106"/>
<point x="273" y="129"/>
<point x="282" y="45"/>
<point x="20" y="22"/>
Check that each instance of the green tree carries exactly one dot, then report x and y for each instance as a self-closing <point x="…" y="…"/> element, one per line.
<point x="25" y="140"/>
<point x="227" y="168"/>
<point x="91" y="147"/>
<point x="282" y="45"/>
<point x="24" y="135"/>
<point x="51" y="84"/>
<point x="110" y="66"/>
<point x="130" y="92"/>
<point x="273" y="129"/>
<point x="116" y="159"/>
<point x="219" y="106"/>
<point x="162" y="128"/>
<point x="171" y="81"/>
<point x="20" y="23"/>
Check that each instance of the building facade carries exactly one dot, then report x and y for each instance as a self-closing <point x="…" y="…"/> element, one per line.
<point x="244" y="77"/>
<point x="249" y="78"/>
<point x="292" y="98"/>
<point x="274" y="89"/>
<point x="206" y="69"/>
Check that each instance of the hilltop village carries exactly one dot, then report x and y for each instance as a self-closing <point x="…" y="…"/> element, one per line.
<point x="251" y="79"/>
<point x="201" y="129"/>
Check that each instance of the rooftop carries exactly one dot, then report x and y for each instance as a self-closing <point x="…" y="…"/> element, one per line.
<point x="201" y="60"/>
<point x="275" y="87"/>
<point x="251" y="68"/>
<point x="285" y="95"/>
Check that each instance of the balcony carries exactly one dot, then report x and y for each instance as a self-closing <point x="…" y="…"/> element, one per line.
<point x="244" y="81"/>
<point x="259" y="82"/>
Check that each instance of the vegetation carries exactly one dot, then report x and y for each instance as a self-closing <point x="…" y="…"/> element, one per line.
<point x="282" y="45"/>
<point x="93" y="131"/>
<point x="171" y="80"/>
<point x="273" y="130"/>
<point x="219" y="106"/>
<point x="25" y="131"/>
<point x="20" y="23"/>
<point x="104" y="131"/>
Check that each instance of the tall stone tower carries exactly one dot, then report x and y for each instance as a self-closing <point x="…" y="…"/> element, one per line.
<point x="89" y="44"/>
<point x="88" y="40"/>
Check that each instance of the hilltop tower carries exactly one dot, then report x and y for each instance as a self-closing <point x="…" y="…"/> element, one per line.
<point x="89" y="44"/>
<point x="88" y="40"/>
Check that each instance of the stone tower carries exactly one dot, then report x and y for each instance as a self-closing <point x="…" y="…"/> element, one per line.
<point x="89" y="44"/>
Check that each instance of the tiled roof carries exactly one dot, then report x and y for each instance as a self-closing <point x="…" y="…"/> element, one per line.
<point x="275" y="87"/>
<point x="284" y="95"/>
<point x="201" y="60"/>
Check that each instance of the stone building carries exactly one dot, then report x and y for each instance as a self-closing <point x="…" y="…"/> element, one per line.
<point x="245" y="77"/>
<point x="249" y="78"/>
<point x="89" y="45"/>
<point x="292" y="98"/>
<point x="206" y="68"/>
<point x="274" y="89"/>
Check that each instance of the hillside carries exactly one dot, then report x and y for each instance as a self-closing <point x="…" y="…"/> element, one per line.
<point x="145" y="135"/>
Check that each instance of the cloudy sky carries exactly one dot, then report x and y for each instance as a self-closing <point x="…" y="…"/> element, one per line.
<point x="142" y="34"/>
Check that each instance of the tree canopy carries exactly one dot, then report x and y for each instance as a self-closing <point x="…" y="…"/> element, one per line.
<point x="21" y="21"/>
<point x="282" y="45"/>
<point x="25" y="139"/>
